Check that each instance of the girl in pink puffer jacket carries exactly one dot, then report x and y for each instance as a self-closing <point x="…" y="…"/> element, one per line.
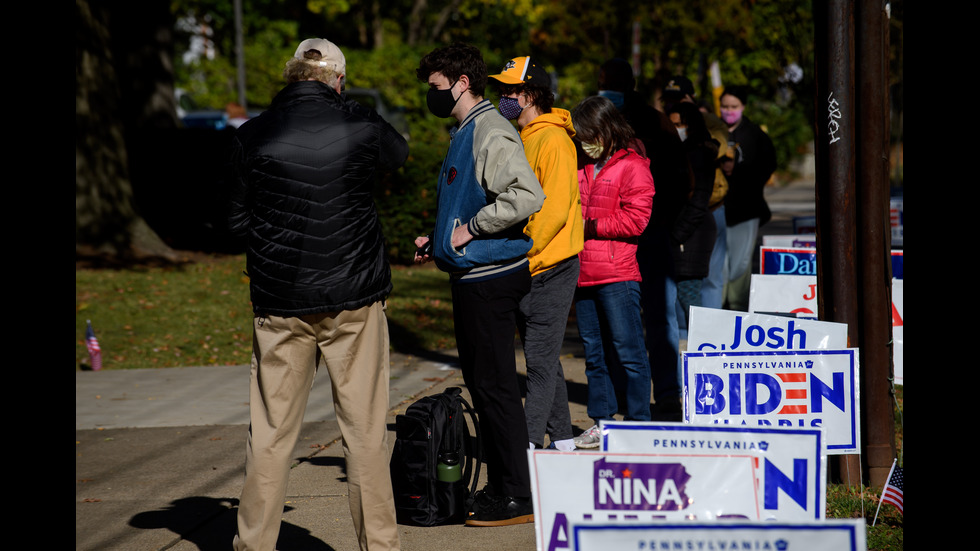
<point x="617" y="198"/>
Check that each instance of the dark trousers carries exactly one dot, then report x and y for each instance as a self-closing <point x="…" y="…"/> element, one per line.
<point x="485" y="318"/>
<point x="544" y="316"/>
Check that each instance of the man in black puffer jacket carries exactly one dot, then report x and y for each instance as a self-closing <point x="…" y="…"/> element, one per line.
<point x="302" y="193"/>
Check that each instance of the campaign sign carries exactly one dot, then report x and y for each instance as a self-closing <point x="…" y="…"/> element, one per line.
<point x="791" y="241"/>
<point x="673" y="485"/>
<point x="897" y="216"/>
<point x="829" y="535"/>
<point x="805" y="224"/>
<point x="791" y="388"/>
<point x="791" y="483"/>
<point x="898" y="264"/>
<point x="898" y="329"/>
<point x="785" y="294"/>
<point x="713" y="330"/>
<point x="788" y="261"/>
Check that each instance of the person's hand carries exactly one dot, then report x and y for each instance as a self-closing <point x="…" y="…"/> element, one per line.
<point x="423" y="253"/>
<point x="461" y="236"/>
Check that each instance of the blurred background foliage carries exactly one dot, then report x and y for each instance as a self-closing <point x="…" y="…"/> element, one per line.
<point x="765" y="44"/>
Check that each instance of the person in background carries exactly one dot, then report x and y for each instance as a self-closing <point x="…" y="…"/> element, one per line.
<point x="235" y="114"/>
<point x="672" y="176"/>
<point x="746" y="210"/>
<point x="617" y="198"/>
<point x="693" y="237"/>
<point x="319" y="278"/>
<point x="680" y="90"/>
<point x="486" y="192"/>
<point x="556" y="231"/>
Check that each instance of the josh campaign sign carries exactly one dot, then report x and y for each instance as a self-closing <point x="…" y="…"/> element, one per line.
<point x="715" y="330"/>
<point x="829" y="535"/>
<point x="791" y="388"/>
<point x="691" y="473"/>
<point x="788" y="261"/>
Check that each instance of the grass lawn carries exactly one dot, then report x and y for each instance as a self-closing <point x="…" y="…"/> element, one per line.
<point x="199" y="313"/>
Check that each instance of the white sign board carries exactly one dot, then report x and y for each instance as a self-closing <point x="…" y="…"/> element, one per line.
<point x="786" y="294"/>
<point x="713" y="330"/>
<point x="793" y="482"/>
<point x="898" y="329"/>
<point x="802" y="388"/>
<point x="758" y="474"/>
<point x="830" y="535"/>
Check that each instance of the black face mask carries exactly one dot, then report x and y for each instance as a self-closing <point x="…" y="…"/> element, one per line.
<point x="441" y="102"/>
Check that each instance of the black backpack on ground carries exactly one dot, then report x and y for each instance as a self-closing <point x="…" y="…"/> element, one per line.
<point x="432" y="439"/>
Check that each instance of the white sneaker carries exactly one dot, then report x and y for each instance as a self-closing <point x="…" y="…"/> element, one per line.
<point x="588" y="439"/>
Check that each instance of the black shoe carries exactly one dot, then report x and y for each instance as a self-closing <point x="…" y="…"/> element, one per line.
<point x="482" y="499"/>
<point x="668" y="409"/>
<point x="501" y="511"/>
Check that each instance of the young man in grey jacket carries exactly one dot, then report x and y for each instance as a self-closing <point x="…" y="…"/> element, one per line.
<point x="486" y="192"/>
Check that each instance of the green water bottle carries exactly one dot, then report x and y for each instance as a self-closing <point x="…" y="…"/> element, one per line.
<point x="449" y="469"/>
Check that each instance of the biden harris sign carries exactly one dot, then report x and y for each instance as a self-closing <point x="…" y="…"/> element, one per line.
<point x="787" y="388"/>
<point x="685" y="473"/>
<point x="828" y="535"/>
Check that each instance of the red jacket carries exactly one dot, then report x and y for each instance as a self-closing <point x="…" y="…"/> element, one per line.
<point x="620" y="199"/>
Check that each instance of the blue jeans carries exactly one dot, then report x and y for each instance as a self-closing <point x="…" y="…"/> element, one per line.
<point x="713" y="286"/>
<point x="611" y="328"/>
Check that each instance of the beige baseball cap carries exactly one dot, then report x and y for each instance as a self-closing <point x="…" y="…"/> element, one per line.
<point x="330" y="54"/>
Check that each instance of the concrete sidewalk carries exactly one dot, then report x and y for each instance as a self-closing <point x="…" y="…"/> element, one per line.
<point x="159" y="460"/>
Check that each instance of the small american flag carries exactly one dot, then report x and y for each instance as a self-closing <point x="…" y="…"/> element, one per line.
<point x="92" y="343"/>
<point x="894" y="489"/>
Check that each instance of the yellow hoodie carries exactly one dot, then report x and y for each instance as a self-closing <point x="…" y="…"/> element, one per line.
<point x="557" y="229"/>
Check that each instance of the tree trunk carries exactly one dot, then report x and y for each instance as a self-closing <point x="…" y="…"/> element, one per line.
<point x="105" y="219"/>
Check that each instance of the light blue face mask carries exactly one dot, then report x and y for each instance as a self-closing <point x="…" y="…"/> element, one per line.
<point x="618" y="98"/>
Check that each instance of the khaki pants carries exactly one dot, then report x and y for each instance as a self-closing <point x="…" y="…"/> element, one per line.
<point x="354" y="346"/>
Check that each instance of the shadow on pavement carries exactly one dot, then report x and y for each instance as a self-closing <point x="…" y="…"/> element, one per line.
<point x="209" y="523"/>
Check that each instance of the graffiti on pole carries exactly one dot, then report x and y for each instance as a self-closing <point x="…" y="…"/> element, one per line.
<point x="833" y="113"/>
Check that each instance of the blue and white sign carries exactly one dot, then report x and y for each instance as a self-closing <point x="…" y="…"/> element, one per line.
<point x="829" y="535"/>
<point x="897" y="216"/>
<point x="898" y="264"/>
<point x="713" y="330"/>
<point x="787" y="261"/>
<point x="791" y="461"/>
<point x="802" y="388"/>
<point x="784" y="294"/>
<point x="689" y="473"/>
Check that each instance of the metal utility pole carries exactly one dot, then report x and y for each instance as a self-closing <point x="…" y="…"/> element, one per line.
<point x="853" y="236"/>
